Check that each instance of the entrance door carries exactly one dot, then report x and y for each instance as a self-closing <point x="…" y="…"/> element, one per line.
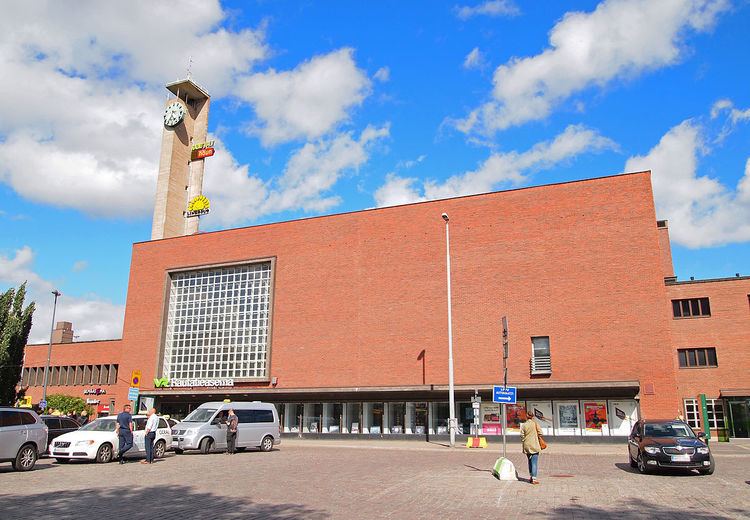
<point x="740" y="414"/>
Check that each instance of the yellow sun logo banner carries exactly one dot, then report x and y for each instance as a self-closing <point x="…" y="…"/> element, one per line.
<point x="198" y="206"/>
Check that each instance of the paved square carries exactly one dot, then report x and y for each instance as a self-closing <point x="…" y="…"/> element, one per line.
<point x="351" y="479"/>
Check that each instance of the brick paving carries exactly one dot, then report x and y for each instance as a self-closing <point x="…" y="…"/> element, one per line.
<point x="354" y="479"/>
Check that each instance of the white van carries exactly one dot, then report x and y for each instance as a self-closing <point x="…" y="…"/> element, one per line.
<point x="205" y="428"/>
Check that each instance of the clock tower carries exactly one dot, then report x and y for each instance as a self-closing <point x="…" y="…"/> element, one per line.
<point x="180" y="178"/>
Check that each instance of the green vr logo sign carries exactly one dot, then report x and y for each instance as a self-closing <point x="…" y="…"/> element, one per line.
<point x="162" y="382"/>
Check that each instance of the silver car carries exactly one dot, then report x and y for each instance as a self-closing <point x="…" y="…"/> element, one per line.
<point x="23" y="436"/>
<point x="205" y="428"/>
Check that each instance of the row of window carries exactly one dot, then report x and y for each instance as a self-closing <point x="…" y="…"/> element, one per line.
<point x="691" y="308"/>
<point x="714" y="409"/>
<point x="697" y="357"/>
<point x="70" y="375"/>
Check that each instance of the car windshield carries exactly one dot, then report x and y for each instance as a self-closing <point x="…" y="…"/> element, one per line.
<point x="668" y="430"/>
<point x="200" y="415"/>
<point x="99" y="425"/>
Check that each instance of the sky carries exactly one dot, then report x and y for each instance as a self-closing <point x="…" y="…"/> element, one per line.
<point x="327" y="107"/>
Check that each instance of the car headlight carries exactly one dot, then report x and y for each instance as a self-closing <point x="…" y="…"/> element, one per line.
<point x="703" y="451"/>
<point x="653" y="450"/>
<point x="85" y="443"/>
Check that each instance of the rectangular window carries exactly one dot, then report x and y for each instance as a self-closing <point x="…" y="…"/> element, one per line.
<point x="715" y="408"/>
<point x="692" y="415"/>
<point x="218" y="323"/>
<point x="697" y="357"/>
<point x="113" y="374"/>
<point x="690" y="308"/>
<point x="25" y="377"/>
<point x="541" y="362"/>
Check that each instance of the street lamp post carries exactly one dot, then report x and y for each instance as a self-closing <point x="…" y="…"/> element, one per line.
<point x="49" y="349"/>
<point x="451" y="391"/>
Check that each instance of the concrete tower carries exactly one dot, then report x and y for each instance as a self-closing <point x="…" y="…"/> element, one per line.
<point x="180" y="178"/>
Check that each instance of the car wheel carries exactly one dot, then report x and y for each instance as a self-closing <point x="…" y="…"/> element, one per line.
<point x="206" y="445"/>
<point x="178" y="451"/>
<point x="642" y="467"/>
<point x="104" y="453"/>
<point x="267" y="443"/>
<point x="25" y="459"/>
<point x="62" y="461"/>
<point x="159" y="448"/>
<point x="710" y="469"/>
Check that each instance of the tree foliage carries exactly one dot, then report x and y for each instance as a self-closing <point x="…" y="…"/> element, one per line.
<point x="67" y="404"/>
<point x="15" y="324"/>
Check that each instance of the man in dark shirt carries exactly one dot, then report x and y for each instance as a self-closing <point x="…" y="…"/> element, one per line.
<point x="124" y="430"/>
<point x="232" y="421"/>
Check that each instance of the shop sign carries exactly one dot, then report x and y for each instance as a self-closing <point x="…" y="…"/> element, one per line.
<point x="200" y="205"/>
<point x="490" y="413"/>
<point x="165" y="382"/>
<point x="92" y="401"/>
<point x="202" y="150"/>
<point x="94" y="391"/>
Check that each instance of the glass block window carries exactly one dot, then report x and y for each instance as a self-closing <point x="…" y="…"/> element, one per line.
<point x="217" y="323"/>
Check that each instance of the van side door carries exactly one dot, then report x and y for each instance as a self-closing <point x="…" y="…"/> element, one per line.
<point x="245" y="435"/>
<point x="264" y="423"/>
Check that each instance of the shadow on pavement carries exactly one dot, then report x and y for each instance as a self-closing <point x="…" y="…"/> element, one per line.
<point x="7" y="468"/>
<point x="664" y="472"/>
<point x="473" y="468"/>
<point x="633" y="508"/>
<point x="147" y="503"/>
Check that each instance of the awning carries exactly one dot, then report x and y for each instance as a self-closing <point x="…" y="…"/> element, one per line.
<point x="735" y="392"/>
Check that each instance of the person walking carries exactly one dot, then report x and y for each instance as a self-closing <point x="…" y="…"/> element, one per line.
<point x="124" y="430"/>
<point x="152" y="423"/>
<point x="232" y="421"/>
<point x="531" y="440"/>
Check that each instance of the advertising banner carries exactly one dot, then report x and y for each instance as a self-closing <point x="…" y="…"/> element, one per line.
<point x="515" y="415"/>
<point x="490" y="416"/>
<point x="567" y="416"/>
<point x="595" y="414"/>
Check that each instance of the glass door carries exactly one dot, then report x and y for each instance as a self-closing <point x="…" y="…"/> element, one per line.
<point x="740" y="414"/>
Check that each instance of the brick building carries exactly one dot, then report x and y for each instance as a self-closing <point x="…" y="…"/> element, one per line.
<point x="341" y="320"/>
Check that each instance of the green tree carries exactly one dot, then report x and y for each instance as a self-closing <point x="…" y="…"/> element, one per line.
<point x="15" y="324"/>
<point x="67" y="404"/>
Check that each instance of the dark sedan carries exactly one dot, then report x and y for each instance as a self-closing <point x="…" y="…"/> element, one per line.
<point x="655" y="445"/>
<point x="59" y="425"/>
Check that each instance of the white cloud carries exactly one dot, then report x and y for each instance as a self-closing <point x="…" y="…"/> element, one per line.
<point x="702" y="212"/>
<point x="383" y="74"/>
<point x="736" y="115"/>
<point x="308" y="101"/>
<point x="92" y="317"/>
<point x="81" y="95"/>
<point x="508" y="169"/>
<point x="488" y="8"/>
<point x="474" y="60"/>
<point x="237" y="196"/>
<point x="80" y="265"/>
<point x="620" y="38"/>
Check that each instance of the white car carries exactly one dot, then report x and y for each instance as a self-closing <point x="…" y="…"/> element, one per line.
<point x="98" y="441"/>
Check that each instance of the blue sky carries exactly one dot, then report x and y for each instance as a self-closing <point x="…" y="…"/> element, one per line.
<point x="325" y="107"/>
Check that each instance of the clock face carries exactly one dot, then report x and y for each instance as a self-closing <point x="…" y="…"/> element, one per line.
<point x="174" y="114"/>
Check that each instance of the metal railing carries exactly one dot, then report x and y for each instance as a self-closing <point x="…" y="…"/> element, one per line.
<point x="541" y="365"/>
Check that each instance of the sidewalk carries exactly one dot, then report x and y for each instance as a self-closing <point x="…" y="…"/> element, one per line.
<point x="738" y="447"/>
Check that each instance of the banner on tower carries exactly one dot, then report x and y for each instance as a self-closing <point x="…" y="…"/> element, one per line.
<point x="198" y="206"/>
<point x="202" y="150"/>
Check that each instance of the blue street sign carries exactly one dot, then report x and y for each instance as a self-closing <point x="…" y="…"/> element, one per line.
<point x="42" y="404"/>
<point x="133" y="393"/>
<point x="504" y="395"/>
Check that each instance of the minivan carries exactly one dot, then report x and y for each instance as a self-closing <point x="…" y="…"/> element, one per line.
<point x="23" y="436"/>
<point x="205" y="427"/>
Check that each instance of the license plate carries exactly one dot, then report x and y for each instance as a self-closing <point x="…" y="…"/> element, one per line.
<point x="680" y="458"/>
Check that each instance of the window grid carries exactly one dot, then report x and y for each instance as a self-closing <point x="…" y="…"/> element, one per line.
<point x="217" y="323"/>
<point x="715" y="415"/>
<point x="691" y="307"/>
<point x="697" y="357"/>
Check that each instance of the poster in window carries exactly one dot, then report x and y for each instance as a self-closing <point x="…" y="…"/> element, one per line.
<point x="568" y="415"/>
<point x="490" y="415"/>
<point x="515" y="415"/>
<point x="596" y="415"/>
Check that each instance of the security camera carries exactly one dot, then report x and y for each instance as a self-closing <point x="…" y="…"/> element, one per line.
<point x="445" y="217"/>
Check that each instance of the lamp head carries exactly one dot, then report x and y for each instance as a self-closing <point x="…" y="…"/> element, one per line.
<point x="445" y="217"/>
<point x="57" y="293"/>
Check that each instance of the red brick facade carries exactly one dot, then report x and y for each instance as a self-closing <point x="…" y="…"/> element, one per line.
<point x="359" y="299"/>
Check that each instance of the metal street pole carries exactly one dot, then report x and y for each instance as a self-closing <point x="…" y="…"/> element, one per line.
<point x="49" y="349"/>
<point x="451" y="393"/>
<point x="506" y="353"/>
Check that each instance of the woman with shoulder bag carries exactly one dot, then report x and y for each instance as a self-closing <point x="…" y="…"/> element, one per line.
<point x="533" y="444"/>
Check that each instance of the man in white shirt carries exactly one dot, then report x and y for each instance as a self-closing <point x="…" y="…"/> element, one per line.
<point x="152" y="423"/>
